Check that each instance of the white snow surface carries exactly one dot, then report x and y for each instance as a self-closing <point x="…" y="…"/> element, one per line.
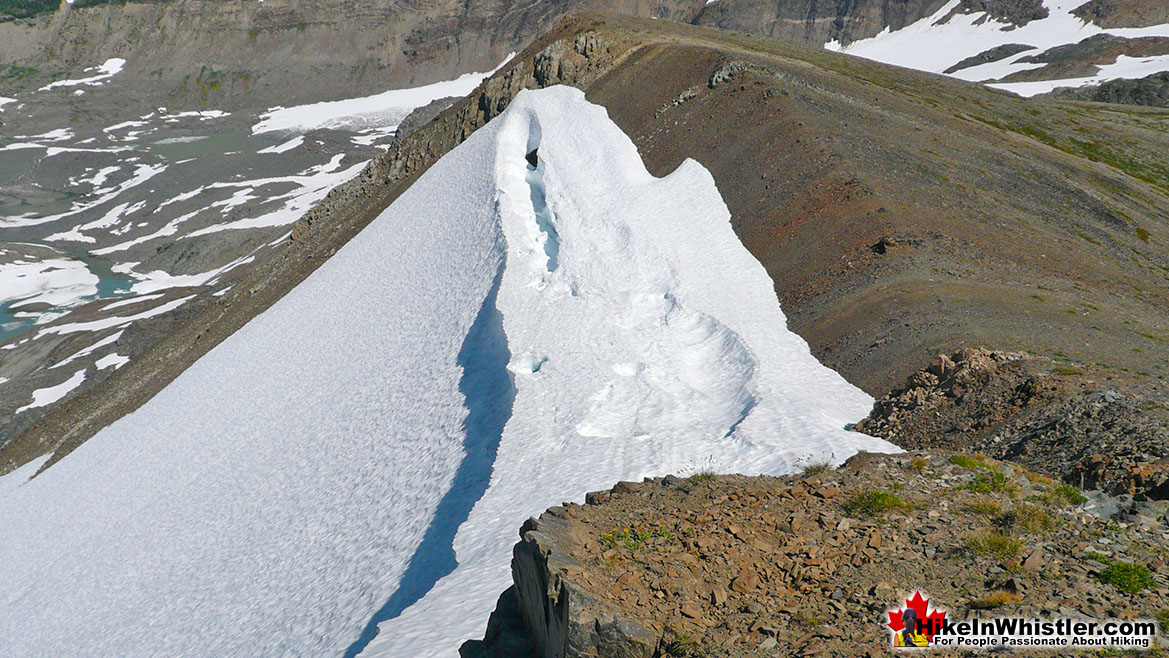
<point x="53" y="281"/>
<point x="107" y="70"/>
<point x="499" y="340"/>
<point x="936" y="43"/>
<point x="49" y="395"/>
<point x="386" y="109"/>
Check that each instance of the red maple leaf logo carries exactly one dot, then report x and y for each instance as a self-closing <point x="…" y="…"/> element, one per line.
<point x="931" y="619"/>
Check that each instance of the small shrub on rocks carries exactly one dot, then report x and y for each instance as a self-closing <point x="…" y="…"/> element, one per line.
<point x="995" y="600"/>
<point x="995" y="543"/>
<point x="1065" y="494"/>
<point x="813" y="469"/>
<point x="992" y="481"/>
<point x="1025" y="518"/>
<point x="633" y="538"/>
<point x="1126" y="577"/>
<point x="965" y="461"/>
<point x="872" y="503"/>
<point x="702" y="476"/>
<point x="684" y="646"/>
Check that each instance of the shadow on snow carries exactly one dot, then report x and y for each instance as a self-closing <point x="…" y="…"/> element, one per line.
<point x="489" y="391"/>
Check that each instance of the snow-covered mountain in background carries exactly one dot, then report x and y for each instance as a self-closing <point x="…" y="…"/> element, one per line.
<point x="1058" y="43"/>
<point x="357" y="458"/>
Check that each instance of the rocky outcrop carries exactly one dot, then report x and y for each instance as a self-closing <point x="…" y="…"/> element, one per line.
<point x="1124" y="13"/>
<point x="557" y="617"/>
<point x="1012" y="12"/>
<point x="1055" y="419"/>
<point x="991" y="55"/>
<point x="1152" y="91"/>
<point x="809" y="564"/>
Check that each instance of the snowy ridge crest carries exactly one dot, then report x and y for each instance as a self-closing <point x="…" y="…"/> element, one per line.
<point x="644" y="339"/>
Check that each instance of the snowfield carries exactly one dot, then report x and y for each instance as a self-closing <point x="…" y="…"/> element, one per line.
<point x="385" y="110"/>
<point x="940" y="41"/>
<point x="358" y="458"/>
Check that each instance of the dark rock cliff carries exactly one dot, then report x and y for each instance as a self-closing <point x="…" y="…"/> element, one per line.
<point x="815" y="21"/>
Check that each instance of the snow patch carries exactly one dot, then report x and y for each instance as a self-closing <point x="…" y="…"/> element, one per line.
<point x="285" y="146"/>
<point x="114" y="361"/>
<point x="936" y="43"/>
<point x="54" y="281"/>
<point x="107" y="70"/>
<point x="46" y="396"/>
<point x="386" y="109"/>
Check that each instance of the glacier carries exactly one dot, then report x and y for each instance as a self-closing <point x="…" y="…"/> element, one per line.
<point x="347" y="472"/>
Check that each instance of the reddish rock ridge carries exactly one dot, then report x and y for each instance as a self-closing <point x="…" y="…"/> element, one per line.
<point x="721" y="566"/>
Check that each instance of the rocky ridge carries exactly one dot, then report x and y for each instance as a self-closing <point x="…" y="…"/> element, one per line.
<point x="1086" y="430"/>
<point x="807" y="564"/>
<point x="1152" y="90"/>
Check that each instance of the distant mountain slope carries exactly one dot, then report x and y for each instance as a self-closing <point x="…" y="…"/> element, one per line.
<point x="232" y="54"/>
<point x="1055" y="45"/>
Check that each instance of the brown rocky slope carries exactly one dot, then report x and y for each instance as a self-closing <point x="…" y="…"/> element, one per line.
<point x="808" y="565"/>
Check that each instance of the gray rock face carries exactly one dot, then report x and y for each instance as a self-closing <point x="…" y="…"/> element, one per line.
<point x="559" y="618"/>
<point x="233" y="54"/>
<point x="1124" y="13"/>
<point x="815" y="22"/>
<point x="1152" y="91"/>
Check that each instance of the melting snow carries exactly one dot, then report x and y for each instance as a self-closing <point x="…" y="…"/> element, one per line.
<point x="45" y="396"/>
<point x="365" y="449"/>
<point x="53" y="281"/>
<point x="107" y="70"/>
<point x="386" y="109"/>
<point x="935" y="44"/>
